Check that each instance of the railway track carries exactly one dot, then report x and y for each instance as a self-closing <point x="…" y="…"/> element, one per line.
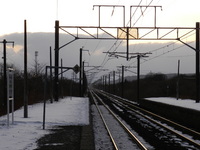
<point x="158" y="131"/>
<point x="120" y="135"/>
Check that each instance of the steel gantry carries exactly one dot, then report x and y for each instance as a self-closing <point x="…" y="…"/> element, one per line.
<point x="126" y="33"/>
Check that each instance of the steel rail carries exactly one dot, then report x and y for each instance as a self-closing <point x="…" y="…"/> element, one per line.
<point x="157" y="116"/>
<point x="160" y="124"/>
<point x="136" y="140"/>
<point x="104" y="122"/>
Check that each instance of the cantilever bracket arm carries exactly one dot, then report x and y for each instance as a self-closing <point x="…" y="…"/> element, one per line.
<point x="187" y="45"/>
<point x="67" y="43"/>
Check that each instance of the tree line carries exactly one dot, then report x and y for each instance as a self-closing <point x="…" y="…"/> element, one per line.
<point x="155" y="85"/>
<point x="35" y="89"/>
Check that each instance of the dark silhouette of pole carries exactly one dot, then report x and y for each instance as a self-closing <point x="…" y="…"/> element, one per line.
<point x="83" y="87"/>
<point x="102" y="83"/>
<point x="119" y="76"/>
<point x="25" y="73"/>
<point x="51" y="86"/>
<point x="197" y="61"/>
<point x="114" y="82"/>
<point x="127" y="43"/>
<point x="122" y="82"/>
<point x="177" y="86"/>
<point x="80" y="74"/>
<point x="36" y="63"/>
<point x="61" y="84"/>
<point x="105" y="83"/>
<point x="56" y="87"/>
<point x="138" y="78"/>
<point x="5" y="70"/>
<point x="109" y="83"/>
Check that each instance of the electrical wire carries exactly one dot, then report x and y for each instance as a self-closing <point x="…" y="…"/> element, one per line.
<point x="163" y="54"/>
<point x="142" y="13"/>
<point x="105" y="60"/>
<point x="121" y="33"/>
<point x="173" y="49"/>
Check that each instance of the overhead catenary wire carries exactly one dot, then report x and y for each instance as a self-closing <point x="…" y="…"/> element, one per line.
<point x="121" y="33"/>
<point x="115" y="46"/>
<point x="141" y="13"/>
<point x="166" y="46"/>
<point x="105" y="60"/>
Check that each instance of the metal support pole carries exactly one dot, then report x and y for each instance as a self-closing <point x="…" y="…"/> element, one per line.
<point x="51" y="85"/>
<point x="109" y="83"/>
<point x="61" y="84"/>
<point x="56" y="87"/>
<point x="106" y="83"/>
<point x="127" y="43"/>
<point x="5" y="72"/>
<point x="122" y="81"/>
<point x="83" y="79"/>
<point x="124" y="15"/>
<point x="197" y="61"/>
<point x="25" y="73"/>
<point x="103" y="84"/>
<point x="138" y="78"/>
<point x="80" y="74"/>
<point x="177" y="86"/>
<point x="44" y="106"/>
<point x="113" y="82"/>
<point x="155" y="17"/>
<point x="36" y="63"/>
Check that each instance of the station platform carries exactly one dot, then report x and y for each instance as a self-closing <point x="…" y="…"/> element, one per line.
<point x="185" y="112"/>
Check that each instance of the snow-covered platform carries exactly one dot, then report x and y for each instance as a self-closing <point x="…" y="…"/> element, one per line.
<point x="186" y="111"/>
<point x="24" y="133"/>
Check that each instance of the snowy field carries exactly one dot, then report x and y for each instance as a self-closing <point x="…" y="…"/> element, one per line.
<point x="185" y="103"/>
<point x="25" y="131"/>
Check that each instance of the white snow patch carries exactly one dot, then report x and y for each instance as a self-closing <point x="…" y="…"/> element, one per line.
<point x="185" y="103"/>
<point x="23" y="134"/>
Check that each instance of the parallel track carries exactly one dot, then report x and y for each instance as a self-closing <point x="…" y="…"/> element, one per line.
<point x="129" y="106"/>
<point x="96" y="98"/>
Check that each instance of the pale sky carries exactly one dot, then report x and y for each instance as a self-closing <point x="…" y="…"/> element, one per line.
<point x="41" y="16"/>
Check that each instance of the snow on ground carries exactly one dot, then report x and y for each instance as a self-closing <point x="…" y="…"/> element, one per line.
<point x="23" y="134"/>
<point x="185" y="103"/>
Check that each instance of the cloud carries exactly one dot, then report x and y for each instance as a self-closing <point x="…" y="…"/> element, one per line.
<point x="16" y="48"/>
<point x="160" y="60"/>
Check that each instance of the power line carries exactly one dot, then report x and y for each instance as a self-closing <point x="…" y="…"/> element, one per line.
<point x="106" y="60"/>
<point x="142" y="13"/>
<point x="121" y="33"/>
<point x="166" y="46"/>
